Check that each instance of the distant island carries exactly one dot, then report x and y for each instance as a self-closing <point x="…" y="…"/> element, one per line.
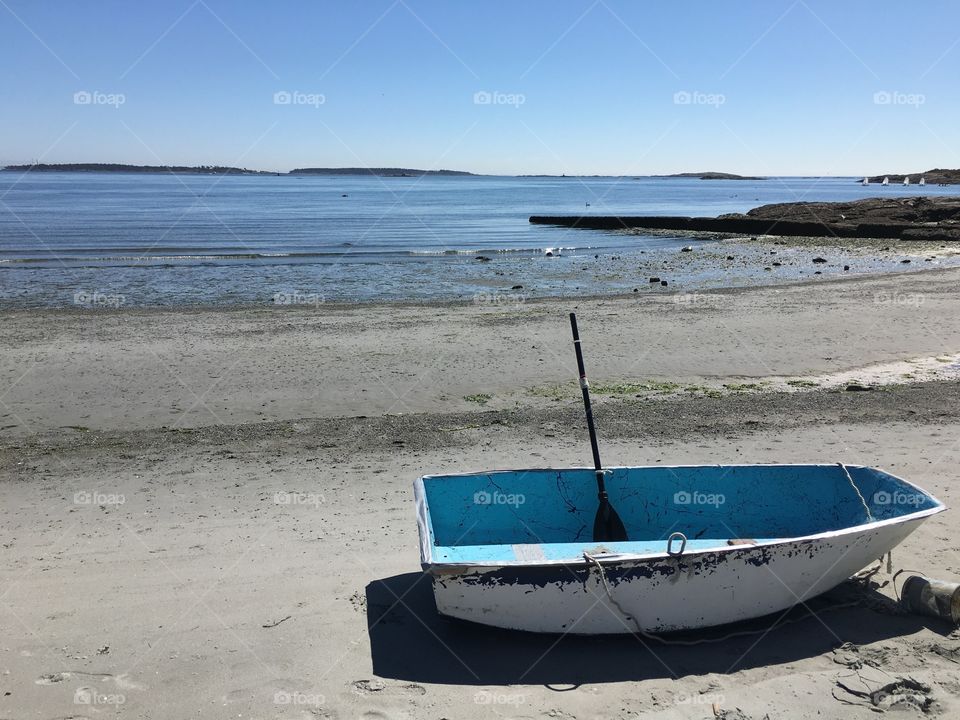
<point x="564" y="175"/>
<point x="120" y="168"/>
<point x="712" y="176"/>
<point x="220" y="170"/>
<point x="378" y="172"/>
<point x="937" y="176"/>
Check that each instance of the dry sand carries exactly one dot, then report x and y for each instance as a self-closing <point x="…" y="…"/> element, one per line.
<point x="208" y="513"/>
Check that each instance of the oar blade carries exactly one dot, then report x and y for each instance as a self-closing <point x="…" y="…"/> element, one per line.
<point x="607" y="525"/>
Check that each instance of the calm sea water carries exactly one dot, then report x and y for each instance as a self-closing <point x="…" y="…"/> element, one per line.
<point x="163" y="239"/>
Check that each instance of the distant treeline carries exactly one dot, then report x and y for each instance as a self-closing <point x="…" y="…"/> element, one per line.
<point x="116" y="167"/>
<point x="219" y="170"/>
<point x="380" y="172"/>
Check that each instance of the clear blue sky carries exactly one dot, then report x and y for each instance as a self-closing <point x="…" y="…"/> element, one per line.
<point x="774" y="87"/>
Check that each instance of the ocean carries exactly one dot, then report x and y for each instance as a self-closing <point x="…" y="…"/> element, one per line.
<point x="92" y="239"/>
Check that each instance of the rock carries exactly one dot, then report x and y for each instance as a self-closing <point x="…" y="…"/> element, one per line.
<point x="654" y="279"/>
<point x="819" y="260"/>
<point x="891" y="217"/>
<point x="729" y="257"/>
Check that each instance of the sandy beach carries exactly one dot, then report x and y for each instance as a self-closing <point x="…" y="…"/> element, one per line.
<point x="208" y="512"/>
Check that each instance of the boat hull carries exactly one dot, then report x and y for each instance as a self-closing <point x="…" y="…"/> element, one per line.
<point x="661" y="594"/>
<point x="707" y="545"/>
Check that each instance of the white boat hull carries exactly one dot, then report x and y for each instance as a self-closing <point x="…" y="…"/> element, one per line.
<point x="662" y="593"/>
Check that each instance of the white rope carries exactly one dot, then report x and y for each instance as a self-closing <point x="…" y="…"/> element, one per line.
<point x="857" y="491"/>
<point x="700" y="641"/>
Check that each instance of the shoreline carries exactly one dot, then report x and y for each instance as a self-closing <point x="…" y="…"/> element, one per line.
<point x="440" y="303"/>
<point x="189" y="367"/>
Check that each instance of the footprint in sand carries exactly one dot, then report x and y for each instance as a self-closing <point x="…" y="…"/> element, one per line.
<point x="51" y="678"/>
<point x="365" y="687"/>
<point x="376" y="685"/>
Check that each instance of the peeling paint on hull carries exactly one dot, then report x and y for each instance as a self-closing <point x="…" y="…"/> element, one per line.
<point x="694" y="591"/>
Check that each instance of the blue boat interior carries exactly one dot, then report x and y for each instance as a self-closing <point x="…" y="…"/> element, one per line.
<point x="547" y="515"/>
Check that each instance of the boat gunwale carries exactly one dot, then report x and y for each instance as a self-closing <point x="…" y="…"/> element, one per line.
<point x="425" y="524"/>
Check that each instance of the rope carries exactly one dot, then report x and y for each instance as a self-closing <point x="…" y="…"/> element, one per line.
<point x="903" y="570"/>
<point x="857" y="491"/>
<point x="700" y="641"/>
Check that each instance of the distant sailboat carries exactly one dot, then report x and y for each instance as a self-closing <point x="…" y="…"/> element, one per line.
<point x="865" y="181"/>
<point x="906" y="179"/>
<point x="886" y="181"/>
<point x="923" y="181"/>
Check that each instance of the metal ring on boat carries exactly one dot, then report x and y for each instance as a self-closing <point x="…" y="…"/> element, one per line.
<point x="683" y="544"/>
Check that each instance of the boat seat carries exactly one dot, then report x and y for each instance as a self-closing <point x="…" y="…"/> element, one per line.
<point x="546" y="552"/>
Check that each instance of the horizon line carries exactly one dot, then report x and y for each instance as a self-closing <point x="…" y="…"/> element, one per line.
<point x="226" y="170"/>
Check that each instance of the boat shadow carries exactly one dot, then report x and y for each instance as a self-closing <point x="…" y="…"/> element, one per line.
<point x="410" y="641"/>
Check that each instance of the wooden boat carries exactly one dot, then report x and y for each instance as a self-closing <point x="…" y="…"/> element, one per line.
<point x="707" y="544"/>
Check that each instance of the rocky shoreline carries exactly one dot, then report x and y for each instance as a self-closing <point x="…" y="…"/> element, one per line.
<point x="913" y="218"/>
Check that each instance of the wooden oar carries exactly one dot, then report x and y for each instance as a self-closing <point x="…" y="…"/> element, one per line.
<point x="607" y="525"/>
